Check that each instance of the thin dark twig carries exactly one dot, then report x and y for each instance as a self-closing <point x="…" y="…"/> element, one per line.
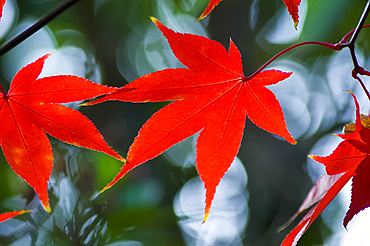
<point x="37" y="26"/>
<point x="357" y="69"/>
<point x="356" y="32"/>
<point x="354" y="75"/>
<point x="360" y="23"/>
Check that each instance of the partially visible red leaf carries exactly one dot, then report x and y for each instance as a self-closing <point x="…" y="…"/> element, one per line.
<point x="31" y="108"/>
<point x="350" y="159"/>
<point x="316" y="193"/>
<point x="292" y="6"/>
<point x="360" y="190"/>
<point x="2" y="2"/>
<point x="343" y="158"/>
<point x="9" y="215"/>
<point x="211" y="96"/>
<point x="211" y="5"/>
<point x="293" y="237"/>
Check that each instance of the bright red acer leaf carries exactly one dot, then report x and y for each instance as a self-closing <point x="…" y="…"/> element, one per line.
<point x="211" y="5"/>
<point x="350" y="159"/>
<point x="212" y="96"/>
<point x="292" y="6"/>
<point x="9" y="215"/>
<point x="30" y="108"/>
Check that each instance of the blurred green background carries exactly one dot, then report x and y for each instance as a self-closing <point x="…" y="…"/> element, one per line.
<point x="161" y="203"/>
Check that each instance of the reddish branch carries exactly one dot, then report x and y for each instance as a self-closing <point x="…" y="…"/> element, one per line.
<point x="338" y="46"/>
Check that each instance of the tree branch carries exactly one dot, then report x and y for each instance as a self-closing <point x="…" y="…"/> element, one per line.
<point x="37" y="26"/>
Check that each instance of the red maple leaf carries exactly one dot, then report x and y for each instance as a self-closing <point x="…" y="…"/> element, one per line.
<point x="211" y="96"/>
<point x="2" y="2"/>
<point x="30" y="108"/>
<point x="9" y="215"/>
<point x="350" y="159"/>
<point x="292" y="6"/>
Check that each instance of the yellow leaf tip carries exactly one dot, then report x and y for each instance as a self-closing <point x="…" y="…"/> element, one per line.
<point x="154" y="20"/>
<point x="295" y="25"/>
<point x="26" y="211"/>
<point x="205" y="217"/>
<point x="291" y="140"/>
<point x="48" y="209"/>
<point x="104" y="189"/>
<point x="200" y="18"/>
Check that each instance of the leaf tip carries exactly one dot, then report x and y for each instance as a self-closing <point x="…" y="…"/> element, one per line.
<point x="206" y="214"/>
<point x="154" y="20"/>
<point x="104" y="189"/>
<point x="295" y="24"/>
<point x="48" y="209"/>
<point x="282" y="227"/>
<point x="25" y="211"/>
<point x="291" y="140"/>
<point x="200" y="18"/>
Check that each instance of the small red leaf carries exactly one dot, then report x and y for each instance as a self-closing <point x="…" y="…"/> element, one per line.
<point x="293" y="237"/>
<point x="316" y="193"/>
<point x="30" y="108"/>
<point x="211" y="96"/>
<point x="9" y="215"/>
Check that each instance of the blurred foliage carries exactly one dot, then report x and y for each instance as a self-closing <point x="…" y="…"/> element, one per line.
<point x="113" y="42"/>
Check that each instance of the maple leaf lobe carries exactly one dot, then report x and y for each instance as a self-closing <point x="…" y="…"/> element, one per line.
<point x="360" y="198"/>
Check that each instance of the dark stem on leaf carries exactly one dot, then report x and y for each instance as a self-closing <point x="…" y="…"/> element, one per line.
<point x="355" y="76"/>
<point x="37" y="26"/>
<point x="351" y="47"/>
<point x="360" y="22"/>
<point x="351" y="43"/>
